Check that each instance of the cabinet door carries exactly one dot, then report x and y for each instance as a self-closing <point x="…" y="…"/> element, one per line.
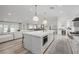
<point x="50" y="37"/>
<point x="36" y="44"/>
<point x="27" y="42"/>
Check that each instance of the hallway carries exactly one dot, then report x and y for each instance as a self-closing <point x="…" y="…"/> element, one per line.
<point x="60" y="46"/>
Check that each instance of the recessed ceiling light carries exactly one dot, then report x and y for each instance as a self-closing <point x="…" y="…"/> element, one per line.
<point x="9" y="14"/>
<point x="51" y="7"/>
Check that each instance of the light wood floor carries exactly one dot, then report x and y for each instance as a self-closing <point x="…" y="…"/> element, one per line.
<point x="12" y="47"/>
<point x="58" y="46"/>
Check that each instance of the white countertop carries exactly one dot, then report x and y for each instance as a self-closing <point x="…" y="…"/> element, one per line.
<point x="39" y="33"/>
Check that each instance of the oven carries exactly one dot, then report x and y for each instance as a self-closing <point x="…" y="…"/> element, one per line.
<point x="45" y="39"/>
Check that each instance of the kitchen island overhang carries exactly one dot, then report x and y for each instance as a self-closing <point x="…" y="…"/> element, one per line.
<point x="37" y="41"/>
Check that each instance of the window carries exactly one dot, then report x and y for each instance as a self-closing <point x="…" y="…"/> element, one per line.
<point x="17" y="27"/>
<point x="12" y="28"/>
<point x="6" y="28"/>
<point x="1" y="28"/>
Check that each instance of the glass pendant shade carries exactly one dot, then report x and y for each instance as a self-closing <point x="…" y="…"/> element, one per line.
<point x="45" y="22"/>
<point x="35" y="18"/>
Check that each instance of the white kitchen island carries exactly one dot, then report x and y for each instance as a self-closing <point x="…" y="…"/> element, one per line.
<point x="37" y="41"/>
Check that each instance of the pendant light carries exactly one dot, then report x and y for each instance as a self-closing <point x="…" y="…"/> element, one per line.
<point x="45" y="20"/>
<point x="36" y="18"/>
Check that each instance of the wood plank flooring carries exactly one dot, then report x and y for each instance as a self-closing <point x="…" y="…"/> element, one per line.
<point x="59" y="46"/>
<point x="12" y="47"/>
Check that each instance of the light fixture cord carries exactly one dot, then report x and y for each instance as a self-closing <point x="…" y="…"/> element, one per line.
<point x="35" y="10"/>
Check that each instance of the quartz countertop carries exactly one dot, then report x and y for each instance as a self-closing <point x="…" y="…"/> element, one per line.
<point x="39" y="33"/>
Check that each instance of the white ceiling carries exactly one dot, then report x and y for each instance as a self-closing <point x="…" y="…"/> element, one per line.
<point x="24" y="13"/>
